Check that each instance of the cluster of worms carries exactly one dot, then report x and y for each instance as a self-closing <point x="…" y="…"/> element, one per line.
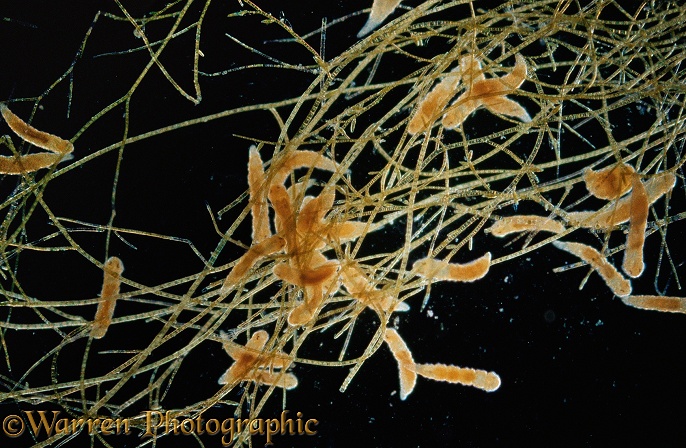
<point x="303" y="234"/>
<point x="610" y="183"/>
<point x="60" y="149"/>
<point x="495" y="138"/>
<point x="478" y="92"/>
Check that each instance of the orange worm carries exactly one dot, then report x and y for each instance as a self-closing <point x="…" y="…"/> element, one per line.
<point x="523" y="223"/>
<point x="108" y="297"/>
<point x="665" y="304"/>
<point x="613" y="279"/>
<point x="633" y="255"/>
<point x="442" y="270"/>
<point x="32" y="135"/>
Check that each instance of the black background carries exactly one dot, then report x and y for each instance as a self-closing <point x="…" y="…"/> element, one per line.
<point x="578" y="367"/>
